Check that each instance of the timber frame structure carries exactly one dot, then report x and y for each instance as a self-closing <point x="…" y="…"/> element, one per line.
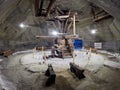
<point x="40" y="11"/>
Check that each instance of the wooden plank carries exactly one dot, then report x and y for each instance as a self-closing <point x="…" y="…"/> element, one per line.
<point x="50" y="7"/>
<point x="66" y="23"/>
<point x="62" y="17"/>
<point x="54" y="25"/>
<point x="36" y="5"/>
<point x="101" y="18"/>
<point x="41" y="7"/>
<point x="56" y="12"/>
<point x="59" y="25"/>
<point x="74" y="30"/>
<point x="45" y="37"/>
<point x="59" y="10"/>
<point x="68" y="28"/>
<point x="65" y="26"/>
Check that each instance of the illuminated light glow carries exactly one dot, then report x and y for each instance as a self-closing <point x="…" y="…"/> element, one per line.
<point x="55" y="33"/>
<point x="93" y="31"/>
<point x="22" y="25"/>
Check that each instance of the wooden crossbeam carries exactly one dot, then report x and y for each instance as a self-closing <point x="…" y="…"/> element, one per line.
<point x="62" y="17"/>
<point x="101" y="17"/>
<point x="67" y="36"/>
<point x="60" y="11"/>
<point x="99" y="12"/>
<point x="45" y="36"/>
<point x="39" y="8"/>
<point x="97" y="16"/>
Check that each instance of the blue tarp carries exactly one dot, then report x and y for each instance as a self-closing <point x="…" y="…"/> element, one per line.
<point x="78" y="44"/>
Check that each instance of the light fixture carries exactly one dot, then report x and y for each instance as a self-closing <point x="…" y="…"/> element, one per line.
<point x="55" y="33"/>
<point x="93" y="31"/>
<point x="22" y="25"/>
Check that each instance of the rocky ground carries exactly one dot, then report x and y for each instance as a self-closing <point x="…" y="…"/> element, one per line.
<point x="23" y="72"/>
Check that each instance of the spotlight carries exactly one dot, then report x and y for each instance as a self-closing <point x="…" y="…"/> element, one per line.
<point x="93" y="31"/>
<point x="22" y="25"/>
<point x="55" y="33"/>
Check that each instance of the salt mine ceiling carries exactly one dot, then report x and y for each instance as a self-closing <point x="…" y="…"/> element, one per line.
<point x="15" y="12"/>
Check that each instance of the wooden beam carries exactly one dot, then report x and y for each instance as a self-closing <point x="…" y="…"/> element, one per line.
<point x="93" y="12"/>
<point x="48" y="37"/>
<point x="54" y="25"/>
<point x="99" y="12"/>
<point x="49" y="7"/>
<point x="65" y="26"/>
<point x="62" y="17"/>
<point x="59" y="25"/>
<point x="60" y="34"/>
<point x="59" y="10"/>
<point x="41" y="7"/>
<point x="36" y="5"/>
<point x="66" y="23"/>
<point x="68" y="28"/>
<point x="62" y="26"/>
<point x="101" y="18"/>
<point x="56" y="12"/>
<point x="74" y="30"/>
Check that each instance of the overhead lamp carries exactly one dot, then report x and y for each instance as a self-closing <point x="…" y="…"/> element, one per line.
<point x="55" y="33"/>
<point x="93" y="31"/>
<point x="22" y="25"/>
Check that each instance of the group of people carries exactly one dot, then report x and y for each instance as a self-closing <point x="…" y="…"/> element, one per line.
<point x="60" y="45"/>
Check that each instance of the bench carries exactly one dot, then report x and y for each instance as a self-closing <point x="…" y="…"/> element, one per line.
<point x="77" y="70"/>
<point x="51" y="75"/>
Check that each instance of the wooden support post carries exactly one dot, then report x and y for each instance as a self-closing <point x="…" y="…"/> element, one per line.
<point x="54" y="25"/>
<point x="89" y="54"/>
<point x="44" y="54"/>
<point x="68" y="28"/>
<point x="56" y="12"/>
<point x="74" y="31"/>
<point x="65" y="25"/>
<point x="34" y="52"/>
<point x="42" y="49"/>
<point x="59" y="26"/>
<point x="36" y="7"/>
<point x="73" y="56"/>
<point x="49" y="7"/>
<point x="93" y="12"/>
<point x="41" y="6"/>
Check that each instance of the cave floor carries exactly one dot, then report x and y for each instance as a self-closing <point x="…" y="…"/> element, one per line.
<point x="26" y="72"/>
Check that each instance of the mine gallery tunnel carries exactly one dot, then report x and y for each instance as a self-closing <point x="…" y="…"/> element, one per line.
<point x="59" y="44"/>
